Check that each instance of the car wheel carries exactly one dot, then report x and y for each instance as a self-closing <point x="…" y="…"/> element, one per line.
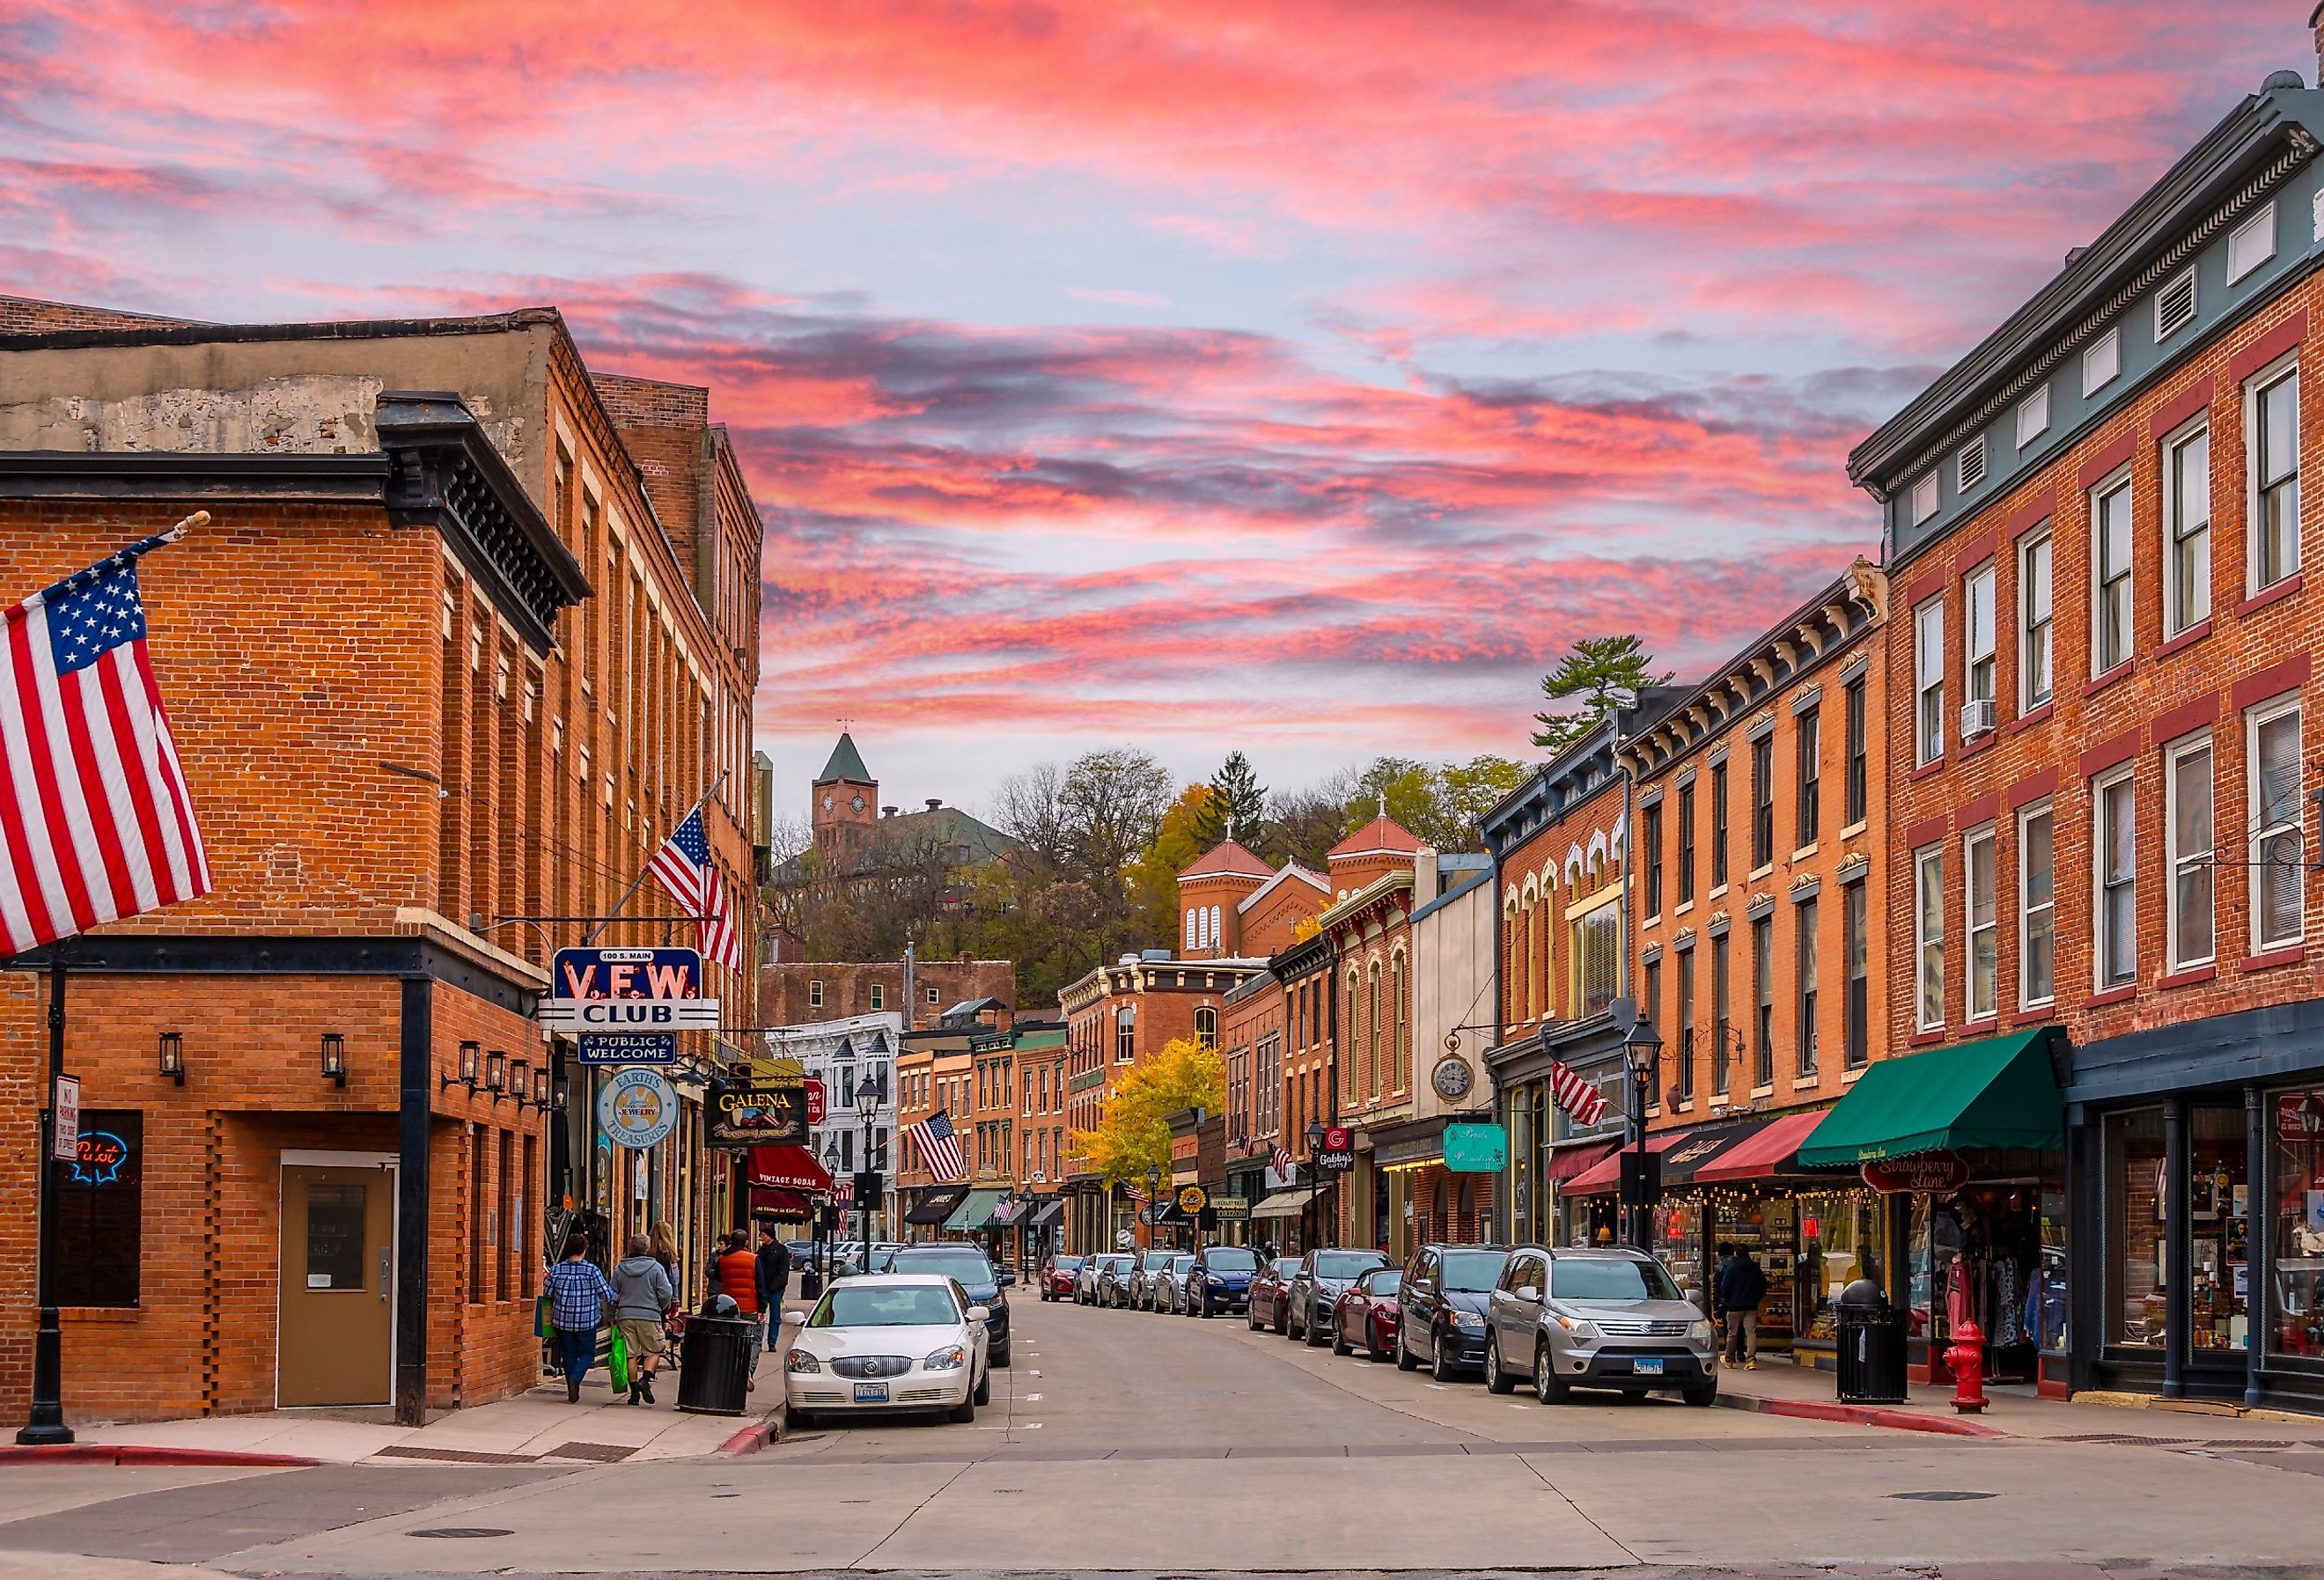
<point x="1314" y="1332"/>
<point x="1254" y="1319"/>
<point x="963" y="1413"/>
<point x="796" y="1419"/>
<point x="1708" y="1394"/>
<point x="983" y="1394"/>
<point x="1496" y="1377"/>
<point x="1547" y="1386"/>
<point x="1440" y="1361"/>
<point x="1001" y="1358"/>
<point x="1340" y="1345"/>
<point x="1405" y="1360"/>
<point x="1374" y="1351"/>
<point x="1282" y="1320"/>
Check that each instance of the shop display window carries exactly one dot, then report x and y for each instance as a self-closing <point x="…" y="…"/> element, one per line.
<point x="2137" y="1236"/>
<point x="1763" y="1228"/>
<point x="2296" y="1121"/>
<point x="2218" y="1219"/>
<point x="1678" y="1246"/>
<point x="2045" y="1313"/>
<point x="1839" y="1232"/>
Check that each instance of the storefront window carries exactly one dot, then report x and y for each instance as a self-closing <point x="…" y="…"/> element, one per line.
<point x="1678" y="1246"/>
<point x="1762" y="1228"/>
<point x="2219" y="1222"/>
<point x="1841" y="1232"/>
<point x="2136" y="1236"/>
<point x="2046" y="1313"/>
<point x="1521" y="1167"/>
<point x="2298" y="1243"/>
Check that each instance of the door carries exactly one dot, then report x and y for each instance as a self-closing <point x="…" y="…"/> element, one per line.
<point x="336" y="1333"/>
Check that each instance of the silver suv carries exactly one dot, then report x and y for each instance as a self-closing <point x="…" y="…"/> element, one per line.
<point x="1595" y="1319"/>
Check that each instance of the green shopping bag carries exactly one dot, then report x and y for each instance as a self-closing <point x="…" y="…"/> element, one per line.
<point x="617" y="1364"/>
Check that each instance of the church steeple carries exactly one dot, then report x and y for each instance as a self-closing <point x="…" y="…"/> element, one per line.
<point x="845" y="802"/>
<point x="846" y="763"/>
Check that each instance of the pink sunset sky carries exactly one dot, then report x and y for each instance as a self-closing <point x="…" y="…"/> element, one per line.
<point x="1295" y="377"/>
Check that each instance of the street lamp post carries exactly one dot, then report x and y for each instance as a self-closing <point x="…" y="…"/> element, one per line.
<point x="1153" y="1205"/>
<point x="867" y="1104"/>
<point x="1315" y="1177"/>
<point x="1642" y="1049"/>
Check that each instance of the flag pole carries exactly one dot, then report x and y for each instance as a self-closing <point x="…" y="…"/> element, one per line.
<point x="629" y="893"/>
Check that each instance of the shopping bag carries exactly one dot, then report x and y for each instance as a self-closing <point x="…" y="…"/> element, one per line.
<point x="617" y="1364"/>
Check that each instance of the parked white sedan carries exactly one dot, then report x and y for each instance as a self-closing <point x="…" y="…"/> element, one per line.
<point x="886" y="1342"/>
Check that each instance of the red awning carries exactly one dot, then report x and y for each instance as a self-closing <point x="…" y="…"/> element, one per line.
<point x="1568" y="1163"/>
<point x="1605" y="1175"/>
<point x="788" y="1169"/>
<point x="1765" y="1152"/>
<point x="784" y="1206"/>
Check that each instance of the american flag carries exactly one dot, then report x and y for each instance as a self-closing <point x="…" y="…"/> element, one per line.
<point x="683" y="866"/>
<point x="1133" y="1193"/>
<point x="1283" y="1162"/>
<point x="1577" y="1097"/>
<point x="939" y="1148"/>
<point x="95" y="821"/>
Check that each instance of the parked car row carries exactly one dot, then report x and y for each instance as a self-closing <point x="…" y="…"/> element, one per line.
<point x="1553" y="1319"/>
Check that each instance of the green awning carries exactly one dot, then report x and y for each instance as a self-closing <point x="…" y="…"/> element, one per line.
<point x="1997" y="1093"/>
<point x="973" y="1212"/>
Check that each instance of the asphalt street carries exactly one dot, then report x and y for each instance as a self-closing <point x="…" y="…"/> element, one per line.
<point x="1125" y="1442"/>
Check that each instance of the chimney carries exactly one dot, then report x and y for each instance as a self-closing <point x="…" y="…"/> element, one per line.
<point x="2315" y="26"/>
<point x="933" y="803"/>
<point x="887" y="811"/>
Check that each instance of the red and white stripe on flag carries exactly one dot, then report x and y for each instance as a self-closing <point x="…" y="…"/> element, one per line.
<point x="1577" y="1097"/>
<point x="94" y="821"/>
<point x="684" y="868"/>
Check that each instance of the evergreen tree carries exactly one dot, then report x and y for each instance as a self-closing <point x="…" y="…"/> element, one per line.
<point x="1237" y="807"/>
<point x="1606" y="672"/>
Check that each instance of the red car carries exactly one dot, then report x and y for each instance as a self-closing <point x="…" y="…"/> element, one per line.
<point x="1365" y="1314"/>
<point x="1057" y="1276"/>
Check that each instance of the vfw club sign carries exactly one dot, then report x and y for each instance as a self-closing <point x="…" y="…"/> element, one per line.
<point x="627" y="990"/>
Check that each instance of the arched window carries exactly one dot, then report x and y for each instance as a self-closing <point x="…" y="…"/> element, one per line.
<point x="1206" y="1027"/>
<point x="1190" y="927"/>
<point x="1532" y="965"/>
<point x="1372" y="1083"/>
<point x="1125" y="1035"/>
<point x="1352" y="1017"/>
<point x="1399" y="1023"/>
<point x="1215" y="934"/>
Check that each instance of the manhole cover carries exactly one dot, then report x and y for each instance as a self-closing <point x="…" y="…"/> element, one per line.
<point x="1943" y="1497"/>
<point x="461" y="1532"/>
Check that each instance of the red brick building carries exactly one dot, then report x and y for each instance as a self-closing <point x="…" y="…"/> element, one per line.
<point x="2098" y="683"/>
<point x="441" y="659"/>
<point x="793" y="992"/>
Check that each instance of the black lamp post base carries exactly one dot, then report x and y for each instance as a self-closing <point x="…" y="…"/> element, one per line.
<point x="45" y="1427"/>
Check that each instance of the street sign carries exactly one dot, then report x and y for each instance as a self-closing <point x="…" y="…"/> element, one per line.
<point x="627" y="990"/>
<point x="816" y="1100"/>
<point x="615" y="1047"/>
<point x="1476" y="1149"/>
<point x="758" y="1103"/>
<point x="1190" y="1199"/>
<point x="637" y="1108"/>
<point x="1338" y="1153"/>
<point x="65" y="1113"/>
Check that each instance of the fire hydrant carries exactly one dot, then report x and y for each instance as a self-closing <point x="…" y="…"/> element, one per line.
<point x="1967" y="1359"/>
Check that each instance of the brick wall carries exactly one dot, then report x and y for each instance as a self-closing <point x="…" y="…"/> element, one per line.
<point x="788" y="995"/>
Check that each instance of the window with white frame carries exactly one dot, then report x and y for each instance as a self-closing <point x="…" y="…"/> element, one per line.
<point x="2187" y="826"/>
<point x="1983" y="919"/>
<point x="1191" y="933"/>
<point x="2034" y="416"/>
<point x="1929" y="938"/>
<point x="2110" y="552"/>
<point x="2252" y="243"/>
<point x="1977" y="662"/>
<point x="1929" y="680"/>
<point x="2101" y="362"/>
<point x="814" y="994"/>
<point x="2277" y="854"/>
<point x="2273" y="423"/>
<point x="2187" y="530"/>
<point x="2115" y="840"/>
<point x="878" y="997"/>
<point x="2037" y="907"/>
<point x="2035" y="676"/>
<point x="1925" y="499"/>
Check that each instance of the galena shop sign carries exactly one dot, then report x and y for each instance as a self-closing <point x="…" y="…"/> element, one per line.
<point x="1936" y="1173"/>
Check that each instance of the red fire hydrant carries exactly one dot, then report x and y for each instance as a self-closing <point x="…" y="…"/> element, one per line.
<point x="1967" y="1359"/>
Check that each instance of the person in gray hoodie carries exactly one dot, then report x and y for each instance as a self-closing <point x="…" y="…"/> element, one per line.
<point x="642" y="1296"/>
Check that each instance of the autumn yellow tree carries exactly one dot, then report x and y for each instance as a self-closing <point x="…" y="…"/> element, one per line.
<point x="1135" y="1134"/>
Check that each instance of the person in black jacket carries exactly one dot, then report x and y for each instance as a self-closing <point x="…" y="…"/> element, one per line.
<point x="1741" y="1286"/>
<point x="774" y="1280"/>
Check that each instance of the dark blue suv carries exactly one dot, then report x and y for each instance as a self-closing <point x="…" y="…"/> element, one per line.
<point x="1220" y="1280"/>
<point x="966" y="1265"/>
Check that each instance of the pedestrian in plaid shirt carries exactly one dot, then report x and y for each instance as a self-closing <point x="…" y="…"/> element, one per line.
<point x="578" y="1296"/>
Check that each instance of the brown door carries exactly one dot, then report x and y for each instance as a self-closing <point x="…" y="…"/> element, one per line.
<point x="336" y="1331"/>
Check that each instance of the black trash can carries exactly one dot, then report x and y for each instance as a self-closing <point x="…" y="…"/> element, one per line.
<point x="811" y="1283"/>
<point x="713" y="1361"/>
<point x="1871" y="1354"/>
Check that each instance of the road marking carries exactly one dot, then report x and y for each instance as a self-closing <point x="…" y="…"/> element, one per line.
<point x="1032" y="1399"/>
<point x="1033" y="1371"/>
<point x="1032" y="1426"/>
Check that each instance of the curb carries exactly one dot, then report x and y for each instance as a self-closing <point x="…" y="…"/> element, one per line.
<point x="1860" y="1415"/>
<point x="132" y="1453"/>
<point x="750" y="1439"/>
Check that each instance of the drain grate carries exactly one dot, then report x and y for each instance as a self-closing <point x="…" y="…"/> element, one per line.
<point x="2249" y="1443"/>
<point x="1943" y="1497"/>
<point x="460" y="1532"/>
<point x="599" y="1453"/>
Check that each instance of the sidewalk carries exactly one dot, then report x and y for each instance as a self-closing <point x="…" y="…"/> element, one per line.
<point x="1779" y="1388"/>
<point x="538" y="1427"/>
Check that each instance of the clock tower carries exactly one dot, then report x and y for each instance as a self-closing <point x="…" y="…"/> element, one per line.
<point x="846" y="802"/>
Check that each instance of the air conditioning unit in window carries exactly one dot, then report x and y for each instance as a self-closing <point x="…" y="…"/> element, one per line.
<point x="1977" y="717"/>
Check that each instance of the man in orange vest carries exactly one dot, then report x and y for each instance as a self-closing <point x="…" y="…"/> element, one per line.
<point x="735" y="1273"/>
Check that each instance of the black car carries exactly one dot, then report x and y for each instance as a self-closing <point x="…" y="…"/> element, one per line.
<point x="1220" y="1280"/>
<point x="1440" y="1310"/>
<point x="1324" y="1276"/>
<point x="1269" y="1299"/>
<point x="966" y="1265"/>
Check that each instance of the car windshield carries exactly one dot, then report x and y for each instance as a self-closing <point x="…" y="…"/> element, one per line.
<point x="1065" y="1264"/>
<point x="1230" y="1259"/>
<point x="886" y="1306"/>
<point x="1285" y="1266"/>
<point x="1346" y="1264"/>
<point x="1473" y="1272"/>
<point x="967" y="1266"/>
<point x="1155" y="1259"/>
<point x="1384" y="1282"/>
<point x="1114" y="1264"/>
<point x="1179" y="1264"/>
<point x="1611" y="1280"/>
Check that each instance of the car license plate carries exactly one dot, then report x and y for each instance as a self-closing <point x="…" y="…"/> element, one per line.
<point x="1643" y="1367"/>
<point x="877" y="1392"/>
